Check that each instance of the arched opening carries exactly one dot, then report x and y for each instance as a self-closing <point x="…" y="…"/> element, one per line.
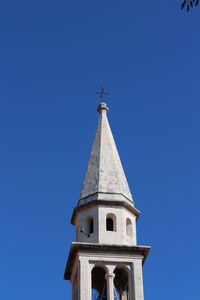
<point x="129" y="229"/>
<point x="110" y="222"/>
<point x="91" y="225"/>
<point x="99" y="288"/>
<point x="121" y="283"/>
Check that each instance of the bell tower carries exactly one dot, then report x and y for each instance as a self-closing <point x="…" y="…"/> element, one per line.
<point x="105" y="262"/>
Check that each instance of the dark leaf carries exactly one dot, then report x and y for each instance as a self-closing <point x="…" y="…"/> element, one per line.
<point x="191" y="3"/>
<point x="188" y="7"/>
<point x="183" y="4"/>
<point x="197" y="2"/>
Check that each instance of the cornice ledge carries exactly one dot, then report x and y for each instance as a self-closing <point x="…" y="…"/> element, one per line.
<point x="110" y="203"/>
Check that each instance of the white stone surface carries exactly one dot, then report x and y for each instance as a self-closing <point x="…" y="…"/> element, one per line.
<point x="105" y="175"/>
<point x="100" y="234"/>
<point x="131" y="262"/>
<point x="105" y="180"/>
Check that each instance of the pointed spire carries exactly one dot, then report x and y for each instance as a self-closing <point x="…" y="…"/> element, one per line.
<point x="104" y="178"/>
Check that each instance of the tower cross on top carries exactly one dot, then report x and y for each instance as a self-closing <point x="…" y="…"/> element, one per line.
<point x="102" y="93"/>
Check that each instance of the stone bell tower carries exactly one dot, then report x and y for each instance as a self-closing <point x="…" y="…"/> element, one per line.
<point x="105" y="262"/>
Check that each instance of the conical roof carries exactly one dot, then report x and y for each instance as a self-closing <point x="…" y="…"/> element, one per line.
<point x="105" y="178"/>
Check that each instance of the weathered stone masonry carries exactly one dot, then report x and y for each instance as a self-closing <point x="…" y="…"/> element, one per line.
<point x="105" y="256"/>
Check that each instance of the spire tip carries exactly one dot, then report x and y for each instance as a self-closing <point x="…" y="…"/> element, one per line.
<point x="102" y="106"/>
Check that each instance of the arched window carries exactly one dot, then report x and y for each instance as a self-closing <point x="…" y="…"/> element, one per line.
<point x="111" y="222"/>
<point x="91" y="225"/>
<point x="99" y="289"/>
<point x="129" y="229"/>
<point x="121" y="283"/>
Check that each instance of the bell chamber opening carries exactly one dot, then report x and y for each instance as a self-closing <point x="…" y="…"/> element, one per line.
<point x="99" y="285"/>
<point x="121" y="283"/>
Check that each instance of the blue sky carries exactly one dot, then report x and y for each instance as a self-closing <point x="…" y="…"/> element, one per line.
<point x="53" y="56"/>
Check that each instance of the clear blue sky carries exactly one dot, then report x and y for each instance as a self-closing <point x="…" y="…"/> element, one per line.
<point x="53" y="56"/>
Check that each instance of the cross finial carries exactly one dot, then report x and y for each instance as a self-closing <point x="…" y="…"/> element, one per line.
<point x="102" y="92"/>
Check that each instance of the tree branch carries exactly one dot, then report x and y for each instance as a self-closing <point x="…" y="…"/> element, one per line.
<point x="188" y="4"/>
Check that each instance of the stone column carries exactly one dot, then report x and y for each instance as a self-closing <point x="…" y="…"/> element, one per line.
<point x="138" y="280"/>
<point x="73" y="292"/>
<point x="74" y="283"/>
<point x="131" y="288"/>
<point x="110" y="283"/>
<point x="84" y="279"/>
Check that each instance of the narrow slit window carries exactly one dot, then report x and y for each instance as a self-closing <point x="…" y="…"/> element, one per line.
<point x="129" y="230"/>
<point x="91" y="225"/>
<point x="109" y="224"/>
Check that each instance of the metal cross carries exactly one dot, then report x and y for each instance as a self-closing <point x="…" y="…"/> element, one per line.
<point x="102" y="93"/>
